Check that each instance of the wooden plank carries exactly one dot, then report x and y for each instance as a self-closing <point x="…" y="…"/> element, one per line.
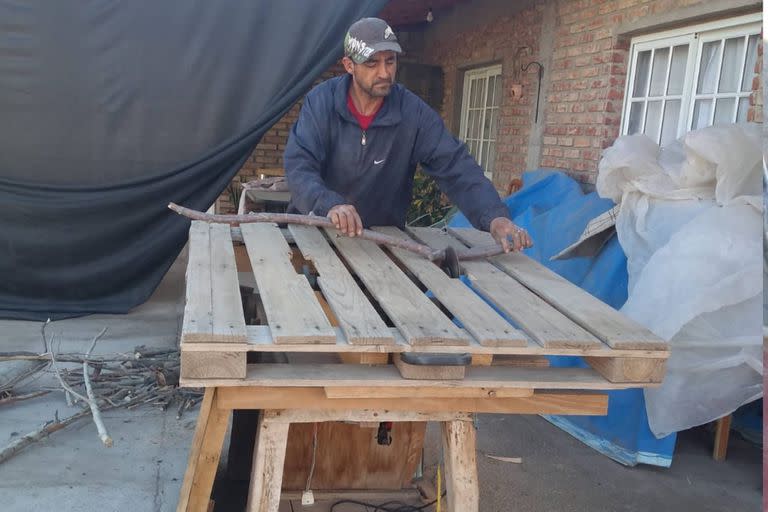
<point x="459" y="449"/>
<point x="359" y="416"/>
<point x="427" y="372"/>
<point x="357" y="317"/>
<point x="198" y="320"/>
<point x="292" y="311"/>
<point x="267" y="471"/>
<point x="546" y="325"/>
<point x="260" y="340"/>
<point x="417" y="318"/>
<point x="228" y="319"/>
<point x="722" y="432"/>
<point x="213" y="365"/>
<point x="478" y="318"/>
<point x="204" y="455"/>
<point x="395" y="392"/>
<point x="563" y="402"/>
<point x="350" y="375"/>
<point x="348" y="457"/>
<point x="627" y="369"/>
<point x="606" y="323"/>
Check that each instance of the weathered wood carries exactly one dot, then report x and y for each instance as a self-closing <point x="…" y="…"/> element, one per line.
<point x="627" y="369"/>
<point x="427" y="372"/>
<point x="478" y="318"/>
<point x="260" y="340"/>
<point x="268" y="460"/>
<point x="722" y="433"/>
<point x="359" y="416"/>
<point x="459" y="449"/>
<point x="227" y="308"/>
<point x="395" y="392"/>
<point x="213" y="365"/>
<point x="613" y="328"/>
<point x="356" y="316"/>
<point x="350" y="375"/>
<point x="417" y="318"/>
<point x="204" y="455"/>
<point x="551" y="402"/>
<point x="292" y="310"/>
<point x="198" y="317"/>
<point x="542" y="322"/>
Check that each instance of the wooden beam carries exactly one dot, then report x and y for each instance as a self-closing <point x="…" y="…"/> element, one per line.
<point x="267" y="470"/>
<point x="565" y="402"/>
<point x="213" y="365"/>
<point x="422" y="392"/>
<point x="358" y="416"/>
<point x="461" y="482"/>
<point x="627" y="369"/>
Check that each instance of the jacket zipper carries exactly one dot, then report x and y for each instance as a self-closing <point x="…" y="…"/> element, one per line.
<point x="362" y="141"/>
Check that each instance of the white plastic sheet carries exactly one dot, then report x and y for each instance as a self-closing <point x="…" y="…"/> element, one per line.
<point x="690" y="223"/>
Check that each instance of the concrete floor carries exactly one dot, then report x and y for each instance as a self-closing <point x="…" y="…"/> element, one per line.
<point x="71" y="471"/>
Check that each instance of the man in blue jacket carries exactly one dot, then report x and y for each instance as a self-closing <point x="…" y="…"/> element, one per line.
<point x="353" y="152"/>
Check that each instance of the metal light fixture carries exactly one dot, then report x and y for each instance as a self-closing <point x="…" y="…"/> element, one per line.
<point x="430" y="17"/>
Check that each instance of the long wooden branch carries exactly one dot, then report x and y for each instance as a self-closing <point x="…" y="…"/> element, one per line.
<point x="324" y="222"/>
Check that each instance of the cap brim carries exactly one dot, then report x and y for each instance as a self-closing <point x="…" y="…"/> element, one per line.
<point x="384" y="46"/>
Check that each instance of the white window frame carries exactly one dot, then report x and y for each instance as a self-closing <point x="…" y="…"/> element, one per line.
<point x="695" y="36"/>
<point x="473" y="74"/>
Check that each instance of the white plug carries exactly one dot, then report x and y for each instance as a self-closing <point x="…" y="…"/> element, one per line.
<point x="307" y="498"/>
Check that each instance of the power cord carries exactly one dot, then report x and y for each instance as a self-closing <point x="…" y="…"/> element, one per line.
<point x="390" y="506"/>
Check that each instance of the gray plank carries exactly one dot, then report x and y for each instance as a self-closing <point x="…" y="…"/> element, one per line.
<point x="613" y="328"/>
<point x="417" y="318"/>
<point x="478" y="318"/>
<point x="357" y="317"/>
<point x="293" y="312"/>
<point x="197" y="324"/>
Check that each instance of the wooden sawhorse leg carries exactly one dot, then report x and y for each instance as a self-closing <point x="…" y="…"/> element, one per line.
<point x="459" y="445"/>
<point x="204" y="455"/>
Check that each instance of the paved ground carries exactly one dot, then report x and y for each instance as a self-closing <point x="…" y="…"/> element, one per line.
<point x="71" y="471"/>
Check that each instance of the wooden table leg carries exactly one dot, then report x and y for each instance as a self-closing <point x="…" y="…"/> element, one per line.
<point x="722" y="431"/>
<point x="268" y="461"/>
<point x="459" y="445"/>
<point x="204" y="455"/>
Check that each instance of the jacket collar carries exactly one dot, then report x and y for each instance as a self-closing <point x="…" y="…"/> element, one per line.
<point x="389" y="114"/>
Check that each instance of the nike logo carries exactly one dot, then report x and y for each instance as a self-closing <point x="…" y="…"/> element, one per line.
<point x="377" y="162"/>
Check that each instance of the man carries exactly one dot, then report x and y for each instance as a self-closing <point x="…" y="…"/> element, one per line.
<point x="353" y="152"/>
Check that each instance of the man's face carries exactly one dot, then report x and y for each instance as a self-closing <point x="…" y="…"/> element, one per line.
<point x="376" y="75"/>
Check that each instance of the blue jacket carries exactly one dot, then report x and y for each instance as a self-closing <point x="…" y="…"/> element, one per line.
<point x="329" y="160"/>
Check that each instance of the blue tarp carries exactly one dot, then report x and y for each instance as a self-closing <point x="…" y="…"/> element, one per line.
<point x="555" y="211"/>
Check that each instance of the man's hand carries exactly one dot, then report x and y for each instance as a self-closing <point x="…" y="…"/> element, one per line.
<point x="502" y="230"/>
<point x="346" y="219"/>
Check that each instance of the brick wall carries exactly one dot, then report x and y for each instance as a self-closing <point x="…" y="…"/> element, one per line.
<point x="494" y="40"/>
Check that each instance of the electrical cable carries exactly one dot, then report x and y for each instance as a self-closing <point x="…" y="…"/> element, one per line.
<point x="385" y="507"/>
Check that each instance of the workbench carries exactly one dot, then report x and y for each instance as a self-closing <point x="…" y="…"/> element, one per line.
<point x="347" y="298"/>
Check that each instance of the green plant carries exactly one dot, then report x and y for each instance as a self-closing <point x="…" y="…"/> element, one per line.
<point x="428" y="205"/>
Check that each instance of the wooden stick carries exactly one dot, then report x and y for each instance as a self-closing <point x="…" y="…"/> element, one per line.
<point x="18" y="398"/>
<point x="324" y="222"/>
<point x="19" y="444"/>
<point x="92" y="402"/>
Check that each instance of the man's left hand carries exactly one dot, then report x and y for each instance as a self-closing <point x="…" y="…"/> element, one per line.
<point x="510" y="236"/>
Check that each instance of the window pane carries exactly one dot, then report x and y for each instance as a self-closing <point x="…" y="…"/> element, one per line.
<point x="486" y="145"/>
<point x="491" y="162"/>
<point x="730" y="72"/>
<point x="477" y="100"/>
<point x="659" y="72"/>
<point x="677" y="73"/>
<point x="497" y="92"/>
<point x="476" y="124"/>
<point x="724" y="110"/>
<point x="487" y="125"/>
<point x="494" y="115"/>
<point x="710" y="57"/>
<point x="489" y="96"/>
<point x="701" y="111"/>
<point x="653" y="119"/>
<point x="749" y="65"/>
<point x="641" y="74"/>
<point x="741" y="117"/>
<point x="471" y="133"/>
<point x="635" y="118"/>
<point x="670" y="121"/>
<point x="472" y="92"/>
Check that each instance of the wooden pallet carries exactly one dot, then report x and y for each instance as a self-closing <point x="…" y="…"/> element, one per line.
<point x="376" y="306"/>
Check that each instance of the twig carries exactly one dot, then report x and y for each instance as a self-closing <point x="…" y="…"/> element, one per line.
<point x="19" y="444"/>
<point x="92" y="402"/>
<point x="18" y="398"/>
<point x="42" y="331"/>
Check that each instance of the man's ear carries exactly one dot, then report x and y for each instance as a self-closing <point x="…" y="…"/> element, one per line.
<point x="347" y="62"/>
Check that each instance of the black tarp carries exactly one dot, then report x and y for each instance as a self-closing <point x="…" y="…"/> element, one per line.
<point x="110" y="109"/>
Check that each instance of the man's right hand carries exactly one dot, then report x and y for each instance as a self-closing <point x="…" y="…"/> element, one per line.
<point x="346" y="219"/>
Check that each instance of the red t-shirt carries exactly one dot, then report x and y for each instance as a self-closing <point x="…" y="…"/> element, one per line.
<point x="365" y="121"/>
